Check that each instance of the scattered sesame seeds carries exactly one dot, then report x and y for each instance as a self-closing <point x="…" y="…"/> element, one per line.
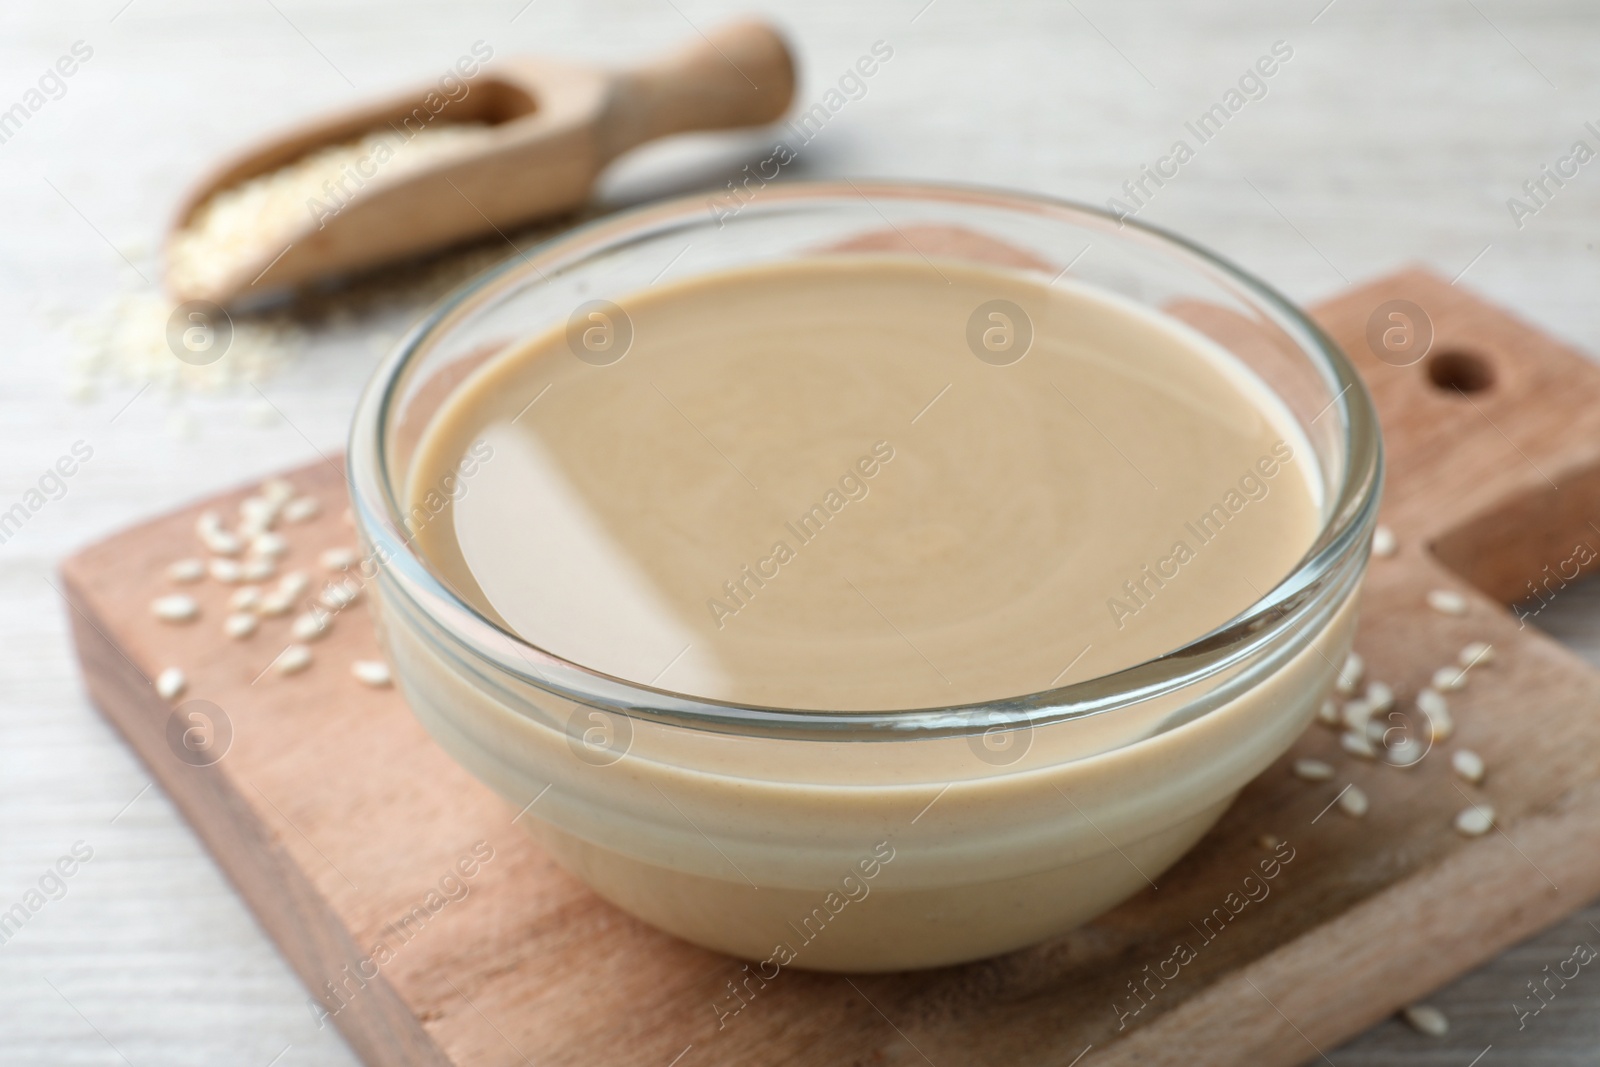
<point x="1383" y="542"/>
<point x="1350" y="674"/>
<point x="310" y="626"/>
<point x="1357" y="744"/>
<point x="1312" y="770"/>
<point x="292" y="660"/>
<point x="1447" y="602"/>
<point x="175" y="608"/>
<point x="171" y="682"/>
<point x="1468" y="764"/>
<point x="1475" y="821"/>
<point x="226" y="571"/>
<point x="1477" y="654"/>
<point x="372" y="672"/>
<point x="1426" y="1019"/>
<point x="301" y="509"/>
<point x="338" y="559"/>
<point x="1449" y="679"/>
<point x="187" y="570"/>
<point x="1353" y="802"/>
<point x="1328" y="713"/>
<point x="1380" y="697"/>
<point x="239" y="625"/>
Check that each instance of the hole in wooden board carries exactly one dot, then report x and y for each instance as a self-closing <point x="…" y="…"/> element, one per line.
<point x="1454" y="370"/>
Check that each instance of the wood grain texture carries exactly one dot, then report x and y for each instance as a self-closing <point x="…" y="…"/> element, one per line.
<point x="335" y="815"/>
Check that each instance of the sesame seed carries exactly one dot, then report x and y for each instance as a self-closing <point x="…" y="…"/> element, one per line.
<point x="175" y="608"/>
<point x="338" y="559"/>
<point x="1437" y="711"/>
<point x="1350" y="674"/>
<point x="239" y="625"/>
<point x="226" y="571"/>
<point x="1353" y="802"/>
<point x="1447" y="602"/>
<point x="372" y="672"/>
<point x="1268" y="841"/>
<point x="301" y="509"/>
<point x="187" y="570"/>
<point x="208" y="527"/>
<point x="245" y="598"/>
<point x="171" y="682"/>
<point x="310" y="626"/>
<point x="258" y="569"/>
<point x="258" y="512"/>
<point x="1328" y="713"/>
<point x="1426" y="1019"/>
<point x="277" y="491"/>
<point x="1468" y="764"/>
<point x="294" y="584"/>
<point x="275" y="603"/>
<point x="1357" y="745"/>
<point x="1475" y="821"/>
<point x="269" y="544"/>
<point x="336" y="596"/>
<point x="1312" y="770"/>
<point x="1379" y="696"/>
<point x="292" y="660"/>
<point x="223" y="543"/>
<point x="1477" y="654"/>
<point x="1356" y="714"/>
<point x="1383" y="542"/>
<point x="1405" y="753"/>
<point x="1449" y="679"/>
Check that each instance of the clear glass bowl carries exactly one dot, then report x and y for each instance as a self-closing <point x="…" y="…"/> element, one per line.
<point x="880" y="840"/>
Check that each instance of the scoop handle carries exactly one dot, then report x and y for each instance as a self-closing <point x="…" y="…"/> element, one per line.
<point x="741" y="74"/>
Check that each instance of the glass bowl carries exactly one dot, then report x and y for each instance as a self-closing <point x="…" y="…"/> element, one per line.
<point x="882" y="839"/>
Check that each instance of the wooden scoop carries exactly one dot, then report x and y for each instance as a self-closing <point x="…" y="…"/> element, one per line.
<point x="554" y="127"/>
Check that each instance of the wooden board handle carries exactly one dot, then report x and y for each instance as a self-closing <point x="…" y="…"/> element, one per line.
<point x="742" y="74"/>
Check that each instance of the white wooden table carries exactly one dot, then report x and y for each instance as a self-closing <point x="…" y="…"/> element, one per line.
<point x="1395" y="133"/>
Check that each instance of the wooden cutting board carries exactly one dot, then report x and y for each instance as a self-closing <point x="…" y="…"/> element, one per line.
<point x="344" y="826"/>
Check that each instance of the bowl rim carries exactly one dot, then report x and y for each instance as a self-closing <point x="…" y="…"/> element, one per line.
<point x="1343" y="536"/>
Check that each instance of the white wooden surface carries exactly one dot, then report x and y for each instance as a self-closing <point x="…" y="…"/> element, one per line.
<point x="1395" y="134"/>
